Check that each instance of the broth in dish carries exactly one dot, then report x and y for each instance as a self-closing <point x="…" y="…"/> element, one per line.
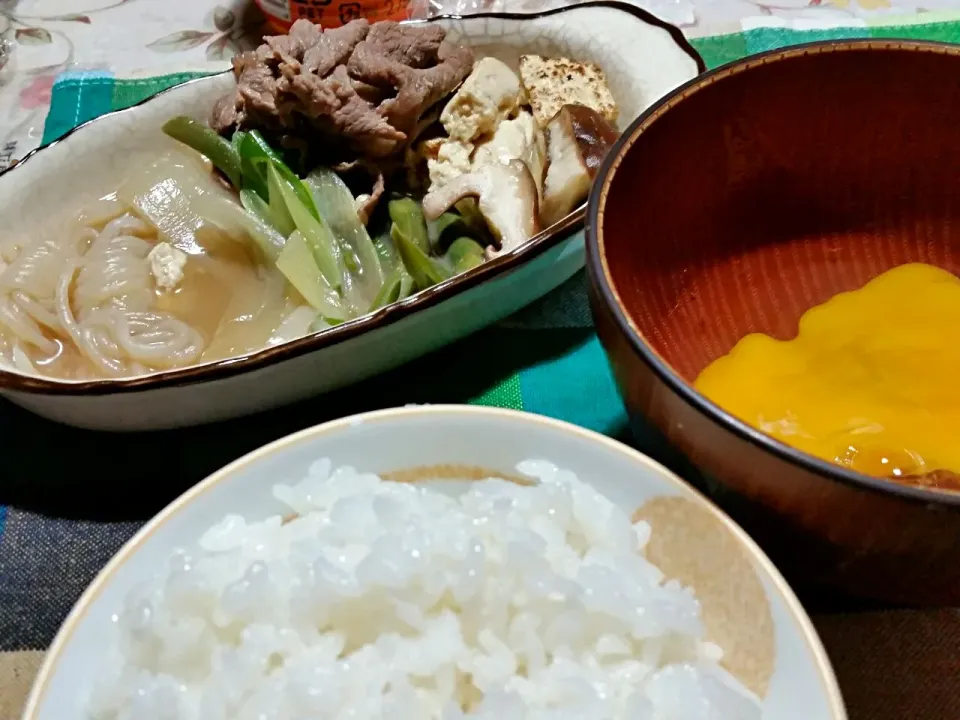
<point x="869" y="382"/>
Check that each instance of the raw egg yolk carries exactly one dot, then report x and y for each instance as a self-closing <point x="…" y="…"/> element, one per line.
<point x="871" y="381"/>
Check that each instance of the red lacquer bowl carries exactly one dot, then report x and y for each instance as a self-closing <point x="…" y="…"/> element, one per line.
<point x="735" y="204"/>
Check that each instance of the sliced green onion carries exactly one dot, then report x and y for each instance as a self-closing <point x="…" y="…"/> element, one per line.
<point x="470" y="212"/>
<point x="389" y="291"/>
<point x="336" y="204"/>
<point x="406" y="284"/>
<point x="298" y="265"/>
<point x="207" y="142"/>
<point x="265" y="148"/>
<point x="325" y="323"/>
<point x="315" y="231"/>
<point x="407" y="215"/>
<point x="446" y="226"/>
<point x="280" y="221"/>
<point x="464" y="253"/>
<point x="387" y="252"/>
<point x="278" y="210"/>
<point x="258" y="153"/>
<point x="270" y="242"/>
<point x="424" y="271"/>
<point x="237" y="140"/>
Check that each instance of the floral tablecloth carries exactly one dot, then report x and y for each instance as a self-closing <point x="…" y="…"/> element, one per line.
<point x="130" y="38"/>
<point x="57" y="529"/>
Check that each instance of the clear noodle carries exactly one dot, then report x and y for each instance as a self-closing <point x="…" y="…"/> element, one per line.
<point x="86" y="301"/>
<point x="148" y="338"/>
<point x="116" y="271"/>
<point x="81" y="339"/>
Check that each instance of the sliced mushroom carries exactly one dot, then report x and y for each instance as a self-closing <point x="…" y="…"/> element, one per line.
<point x="506" y="196"/>
<point x="366" y="207"/>
<point x="578" y="138"/>
<point x="365" y="203"/>
<point x="519" y="138"/>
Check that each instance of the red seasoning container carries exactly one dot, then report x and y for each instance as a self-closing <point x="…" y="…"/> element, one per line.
<point x="281" y="14"/>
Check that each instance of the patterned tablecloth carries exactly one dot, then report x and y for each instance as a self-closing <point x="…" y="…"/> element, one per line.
<point x="69" y="499"/>
<point x="139" y="38"/>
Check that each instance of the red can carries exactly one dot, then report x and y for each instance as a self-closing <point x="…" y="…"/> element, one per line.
<point x="281" y="14"/>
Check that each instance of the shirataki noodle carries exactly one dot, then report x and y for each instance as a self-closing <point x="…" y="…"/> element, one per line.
<point x="83" y="302"/>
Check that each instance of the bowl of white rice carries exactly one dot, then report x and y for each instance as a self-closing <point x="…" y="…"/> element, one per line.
<point x="439" y="563"/>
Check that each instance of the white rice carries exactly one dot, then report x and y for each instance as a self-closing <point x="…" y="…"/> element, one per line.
<point x="388" y="600"/>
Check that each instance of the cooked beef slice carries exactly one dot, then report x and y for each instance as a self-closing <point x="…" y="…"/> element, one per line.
<point x="366" y="84"/>
<point x="415" y="45"/>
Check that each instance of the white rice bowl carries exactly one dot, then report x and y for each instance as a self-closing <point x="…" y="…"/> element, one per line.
<point x="378" y="599"/>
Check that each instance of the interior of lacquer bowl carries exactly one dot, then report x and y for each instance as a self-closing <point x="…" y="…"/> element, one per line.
<point x="756" y="195"/>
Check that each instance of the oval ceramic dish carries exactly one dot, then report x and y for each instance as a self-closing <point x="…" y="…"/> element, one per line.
<point x="748" y="609"/>
<point x="644" y="59"/>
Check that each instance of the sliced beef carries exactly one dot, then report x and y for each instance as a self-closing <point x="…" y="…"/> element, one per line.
<point x="359" y="120"/>
<point x="416" y="46"/>
<point x="259" y="90"/>
<point x="419" y="90"/>
<point x="226" y="112"/>
<point x="307" y="34"/>
<point x="368" y="85"/>
<point x="317" y="97"/>
<point x="243" y="61"/>
<point x="333" y="47"/>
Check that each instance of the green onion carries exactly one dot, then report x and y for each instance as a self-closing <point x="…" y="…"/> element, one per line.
<point x="389" y="291"/>
<point x="207" y="142"/>
<point x="297" y="263"/>
<point x="258" y="153"/>
<point x="277" y="205"/>
<point x="316" y="232"/>
<point x="253" y="178"/>
<point x="407" y="216"/>
<point x="237" y="140"/>
<point x="464" y="253"/>
<point x="470" y="212"/>
<point x="424" y="271"/>
<point x="336" y="204"/>
<point x="280" y="221"/>
<point x="450" y="227"/>
<point x="406" y="284"/>
<point x="263" y="233"/>
<point x="386" y="252"/>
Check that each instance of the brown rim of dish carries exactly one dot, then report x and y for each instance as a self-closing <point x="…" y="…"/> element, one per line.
<point x="219" y="369"/>
<point x="599" y="272"/>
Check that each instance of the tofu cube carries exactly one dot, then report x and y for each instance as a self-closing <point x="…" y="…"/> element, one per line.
<point x="552" y="83"/>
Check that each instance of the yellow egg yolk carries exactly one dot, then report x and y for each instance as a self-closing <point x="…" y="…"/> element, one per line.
<point x="870" y="382"/>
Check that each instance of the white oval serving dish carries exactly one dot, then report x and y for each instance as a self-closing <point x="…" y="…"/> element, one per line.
<point x="747" y="607"/>
<point x="644" y="59"/>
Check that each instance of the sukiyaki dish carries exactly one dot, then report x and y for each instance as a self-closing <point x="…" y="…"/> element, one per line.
<point x="348" y="169"/>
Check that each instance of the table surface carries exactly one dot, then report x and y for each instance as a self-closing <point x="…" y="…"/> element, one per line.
<point x="891" y="663"/>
